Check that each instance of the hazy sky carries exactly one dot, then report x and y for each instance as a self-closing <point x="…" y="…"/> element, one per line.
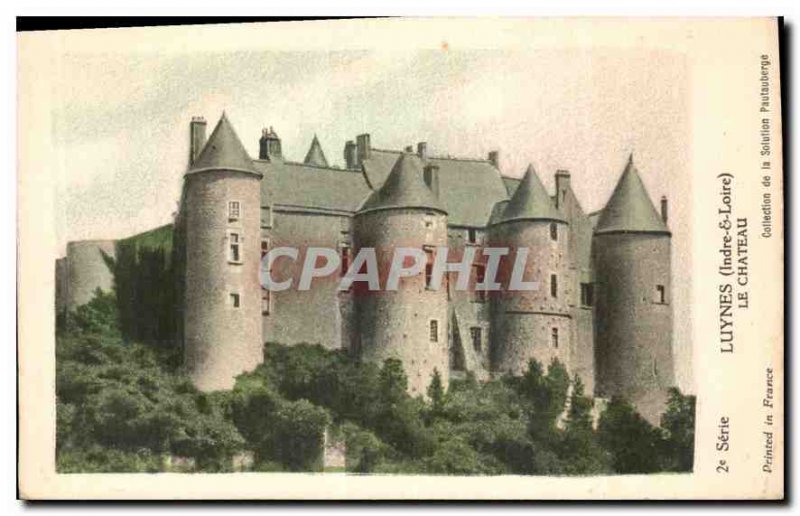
<point x="121" y="123"/>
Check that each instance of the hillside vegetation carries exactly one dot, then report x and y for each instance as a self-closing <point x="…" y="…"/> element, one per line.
<point x="124" y="405"/>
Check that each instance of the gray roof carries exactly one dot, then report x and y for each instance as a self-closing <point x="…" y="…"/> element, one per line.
<point x="629" y="209"/>
<point x="223" y="151"/>
<point x="531" y="201"/>
<point x="403" y="188"/>
<point x="468" y="188"/>
<point x="511" y="184"/>
<point x="315" y="156"/>
<point x="311" y="187"/>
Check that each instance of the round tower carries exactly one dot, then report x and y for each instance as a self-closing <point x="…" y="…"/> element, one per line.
<point x="633" y="348"/>
<point x="410" y="323"/>
<point x="87" y="269"/>
<point x="535" y="323"/>
<point x="222" y="312"/>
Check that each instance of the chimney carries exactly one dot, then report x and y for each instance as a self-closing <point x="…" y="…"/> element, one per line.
<point x="363" y="148"/>
<point x="422" y="150"/>
<point x="350" y="154"/>
<point x="494" y="158"/>
<point x="562" y="185"/>
<point x="664" y="208"/>
<point x="431" y="176"/>
<point x="197" y="137"/>
<point x="269" y="145"/>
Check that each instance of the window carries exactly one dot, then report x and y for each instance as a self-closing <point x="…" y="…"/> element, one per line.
<point x="429" y="220"/>
<point x="266" y="217"/>
<point x="661" y="294"/>
<point x="477" y="338"/>
<point x="428" y="266"/>
<point x="480" y="276"/>
<point x="234" y="300"/>
<point x="234" y="210"/>
<point x="553" y="285"/>
<point x="234" y="248"/>
<point x="554" y="337"/>
<point x="434" y="330"/>
<point x="587" y="294"/>
<point x="553" y="231"/>
<point x="344" y="250"/>
<point x="472" y="236"/>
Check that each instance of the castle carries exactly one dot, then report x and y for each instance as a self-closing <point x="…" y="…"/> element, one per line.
<point x="603" y="308"/>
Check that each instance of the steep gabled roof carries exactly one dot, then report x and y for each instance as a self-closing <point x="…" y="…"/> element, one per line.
<point x="315" y="156"/>
<point x="403" y="188"/>
<point x="629" y="209"/>
<point x="531" y="201"/>
<point x="223" y="151"/>
<point x="468" y="188"/>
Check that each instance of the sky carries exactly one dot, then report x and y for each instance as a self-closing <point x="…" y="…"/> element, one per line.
<point x="121" y="123"/>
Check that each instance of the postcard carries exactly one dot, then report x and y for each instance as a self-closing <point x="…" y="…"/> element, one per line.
<point x="405" y="259"/>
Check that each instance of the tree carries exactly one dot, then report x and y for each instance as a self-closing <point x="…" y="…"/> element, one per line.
<point x="678" y="422"/>
<point x="631" y="441"/>
<point x="580" y="451"/>
<point x="436" y="394"/>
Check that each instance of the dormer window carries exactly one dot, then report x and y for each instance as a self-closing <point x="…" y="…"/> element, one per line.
<point x="234" y="210"/>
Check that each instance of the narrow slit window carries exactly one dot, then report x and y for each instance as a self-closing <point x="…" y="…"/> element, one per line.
<point x="480" y="277"/>
<point x="587" y="294"/>
<point x="553" y="285"/>
<point x="553" y="231"/>
<point x="429" y="258"/>
<point x="661" y="294"/>
<point x="265" y="300"/>
<point x="234" y="299"/>
<point x="477" y="338"/>
<point x="434" y="330"/>
<point x="472" y="236"/>
<point x="554" y="337"/>
<point x="266" y="217"/>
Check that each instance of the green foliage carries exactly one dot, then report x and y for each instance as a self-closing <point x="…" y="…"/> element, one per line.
<point x="122" y="406"/>
<point x="678" y="423"/>
<point x="119" y="409"/>
<point x="630" y="439"/>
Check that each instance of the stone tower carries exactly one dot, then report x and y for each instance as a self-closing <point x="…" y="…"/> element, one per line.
<point x="531" y="324"/>
<point x="633" y="319"/>
<point x="410" y="323"/>
<point x="222" y="312"/>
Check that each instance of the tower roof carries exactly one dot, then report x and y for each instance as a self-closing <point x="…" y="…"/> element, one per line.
<point x="630" y="209"/>
<point x="403" y="188"/>
<point x="315" y="156"/>
<point x="531" y="201"/>
<point x="223" y="151"/>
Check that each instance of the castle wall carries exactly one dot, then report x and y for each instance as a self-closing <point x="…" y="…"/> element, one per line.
<point x="634" y="330"/>
<point x="397" y="324"/>
<point x="532" y="324"/>
<point x="291" y="310"/>
<point x="580" y="272"/>
<point x="468" y="310"/>
<point x="221" y="340"/>
<point x="87" y="270"/>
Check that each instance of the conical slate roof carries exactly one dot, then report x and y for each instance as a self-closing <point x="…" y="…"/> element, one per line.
<point x="629" y="209"/>
<point x="315" y="156"/>
<point x="223" y="151"/>
<point x="531" y="201"/>
<point x="403" y="188"/>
